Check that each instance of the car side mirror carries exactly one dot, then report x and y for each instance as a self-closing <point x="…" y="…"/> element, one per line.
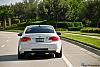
<point x="20" y="34"/>
<point x="58" y="33"/>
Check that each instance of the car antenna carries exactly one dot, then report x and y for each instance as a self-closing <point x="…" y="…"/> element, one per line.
<point x="39" y="25"/>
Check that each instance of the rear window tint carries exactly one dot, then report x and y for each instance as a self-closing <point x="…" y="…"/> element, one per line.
<point x="40" y="29"/>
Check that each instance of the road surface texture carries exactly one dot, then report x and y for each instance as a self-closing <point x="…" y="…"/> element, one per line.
<point x="73" y="56"/>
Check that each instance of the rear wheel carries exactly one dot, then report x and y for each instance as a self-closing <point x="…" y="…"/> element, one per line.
<point x="20" y="56"/>
<point x="59" y="55"/>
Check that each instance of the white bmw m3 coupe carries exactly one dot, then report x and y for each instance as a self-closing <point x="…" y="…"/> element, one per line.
<point x="39" y="39"/>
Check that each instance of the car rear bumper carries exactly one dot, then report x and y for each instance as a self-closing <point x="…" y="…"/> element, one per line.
<point x="40" y="51"/>
<point x="46" y="48"/>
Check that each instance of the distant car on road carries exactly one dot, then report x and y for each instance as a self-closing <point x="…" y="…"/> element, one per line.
<point x="39" y="39"/>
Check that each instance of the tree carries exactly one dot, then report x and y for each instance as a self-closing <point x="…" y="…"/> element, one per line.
<point x="10" y="14"/>
<point x="75" y="10"/>
<point x="53" y="9"/>
<point x="5" y="13"/>
<point x="92" y="12"/>
<point x="25" y="11"/>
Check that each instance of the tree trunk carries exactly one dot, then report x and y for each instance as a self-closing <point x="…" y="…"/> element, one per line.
<point x="0" y="24"/>
<point x="4" y="24"/>
<point x="9" y="19"/>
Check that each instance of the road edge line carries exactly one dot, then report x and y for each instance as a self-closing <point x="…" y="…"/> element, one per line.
<point x="67" y="61"/>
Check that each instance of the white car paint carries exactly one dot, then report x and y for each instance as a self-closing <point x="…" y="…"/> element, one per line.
<point x="32" y="44"/>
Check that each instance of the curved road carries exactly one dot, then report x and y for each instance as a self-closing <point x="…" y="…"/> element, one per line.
<point x="73" y="56"/>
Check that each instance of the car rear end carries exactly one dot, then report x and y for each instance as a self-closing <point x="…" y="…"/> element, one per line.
<point x="39" y="39"/>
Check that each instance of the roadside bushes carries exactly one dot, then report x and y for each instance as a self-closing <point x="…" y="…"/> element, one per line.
<point x="61" y="26"/>
<point x="74" y="28"/>
<point x="67" y="25"/>
<point x="18" y="26"/>
<point x="61" y="29"/>
<point x="21" y="26"/>
<point x="91" y="30"/>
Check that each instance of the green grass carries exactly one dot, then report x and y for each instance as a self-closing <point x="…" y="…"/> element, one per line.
<point x="78" y="32"/>
<point x="14" y="30"/>
<point x="37" y="22"/>
<point x="91" y="41"/>
<point x="61" y="29"/>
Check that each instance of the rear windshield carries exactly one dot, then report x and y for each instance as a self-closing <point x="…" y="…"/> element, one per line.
<point x="40" y="29"/>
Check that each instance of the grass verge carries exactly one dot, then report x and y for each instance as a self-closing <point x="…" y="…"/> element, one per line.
<point x="14" y="30"/>
<point x="78" y="32"/>
<point x="91" y="41"/>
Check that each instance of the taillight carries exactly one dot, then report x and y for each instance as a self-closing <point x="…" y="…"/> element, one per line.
<point x="54" y="38"/>
<point x="24" y="39"/>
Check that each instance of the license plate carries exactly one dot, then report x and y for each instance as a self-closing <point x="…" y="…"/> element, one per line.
<point x="39" y="39"/>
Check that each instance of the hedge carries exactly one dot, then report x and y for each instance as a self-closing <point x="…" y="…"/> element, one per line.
<point x="61" y="29"/>
<point x="91" y="30"/>
<point x="74" y="28"/>
<point x="66" y="25"/>
<point x="63" y="24"/>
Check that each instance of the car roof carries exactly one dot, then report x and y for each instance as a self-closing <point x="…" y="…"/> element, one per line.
<point x="40" y="25"/>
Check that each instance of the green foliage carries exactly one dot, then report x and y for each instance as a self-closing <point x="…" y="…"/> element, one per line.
<point x="88" y="40"/>
<point x="61" y="29"/>
<point x="78" y="24"/>
<point x="5" y="12"/>
<point x="91" y="30"/>
<point x="18" y="31"/>
<point x="25" y="10"/>
<point x="63" y="24"/>
<point x="53" y="9"/>
<point x="74" y="28"/>
<point x="75" y="10"/>
<point x="59" y="25"/>
<point x="21" y="26"/>
<point x="92" y="12"/>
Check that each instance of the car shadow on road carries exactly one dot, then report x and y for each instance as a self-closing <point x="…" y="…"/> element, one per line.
<point x="31" y="57"/>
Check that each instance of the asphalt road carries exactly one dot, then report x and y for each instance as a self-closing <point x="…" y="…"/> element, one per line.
<point x="73" y="56"/>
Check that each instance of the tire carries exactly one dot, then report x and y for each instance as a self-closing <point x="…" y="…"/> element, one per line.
<point x="58" y="55"/>
<point x="20" y="56"/>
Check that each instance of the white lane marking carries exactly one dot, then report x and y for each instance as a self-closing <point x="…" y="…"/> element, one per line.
<point x="9" y="37"/>
<point x="4" y="42"/>
<point x="7" y="40"/>
<point x="3" y="46"/>
<point x="67" y="61"/>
